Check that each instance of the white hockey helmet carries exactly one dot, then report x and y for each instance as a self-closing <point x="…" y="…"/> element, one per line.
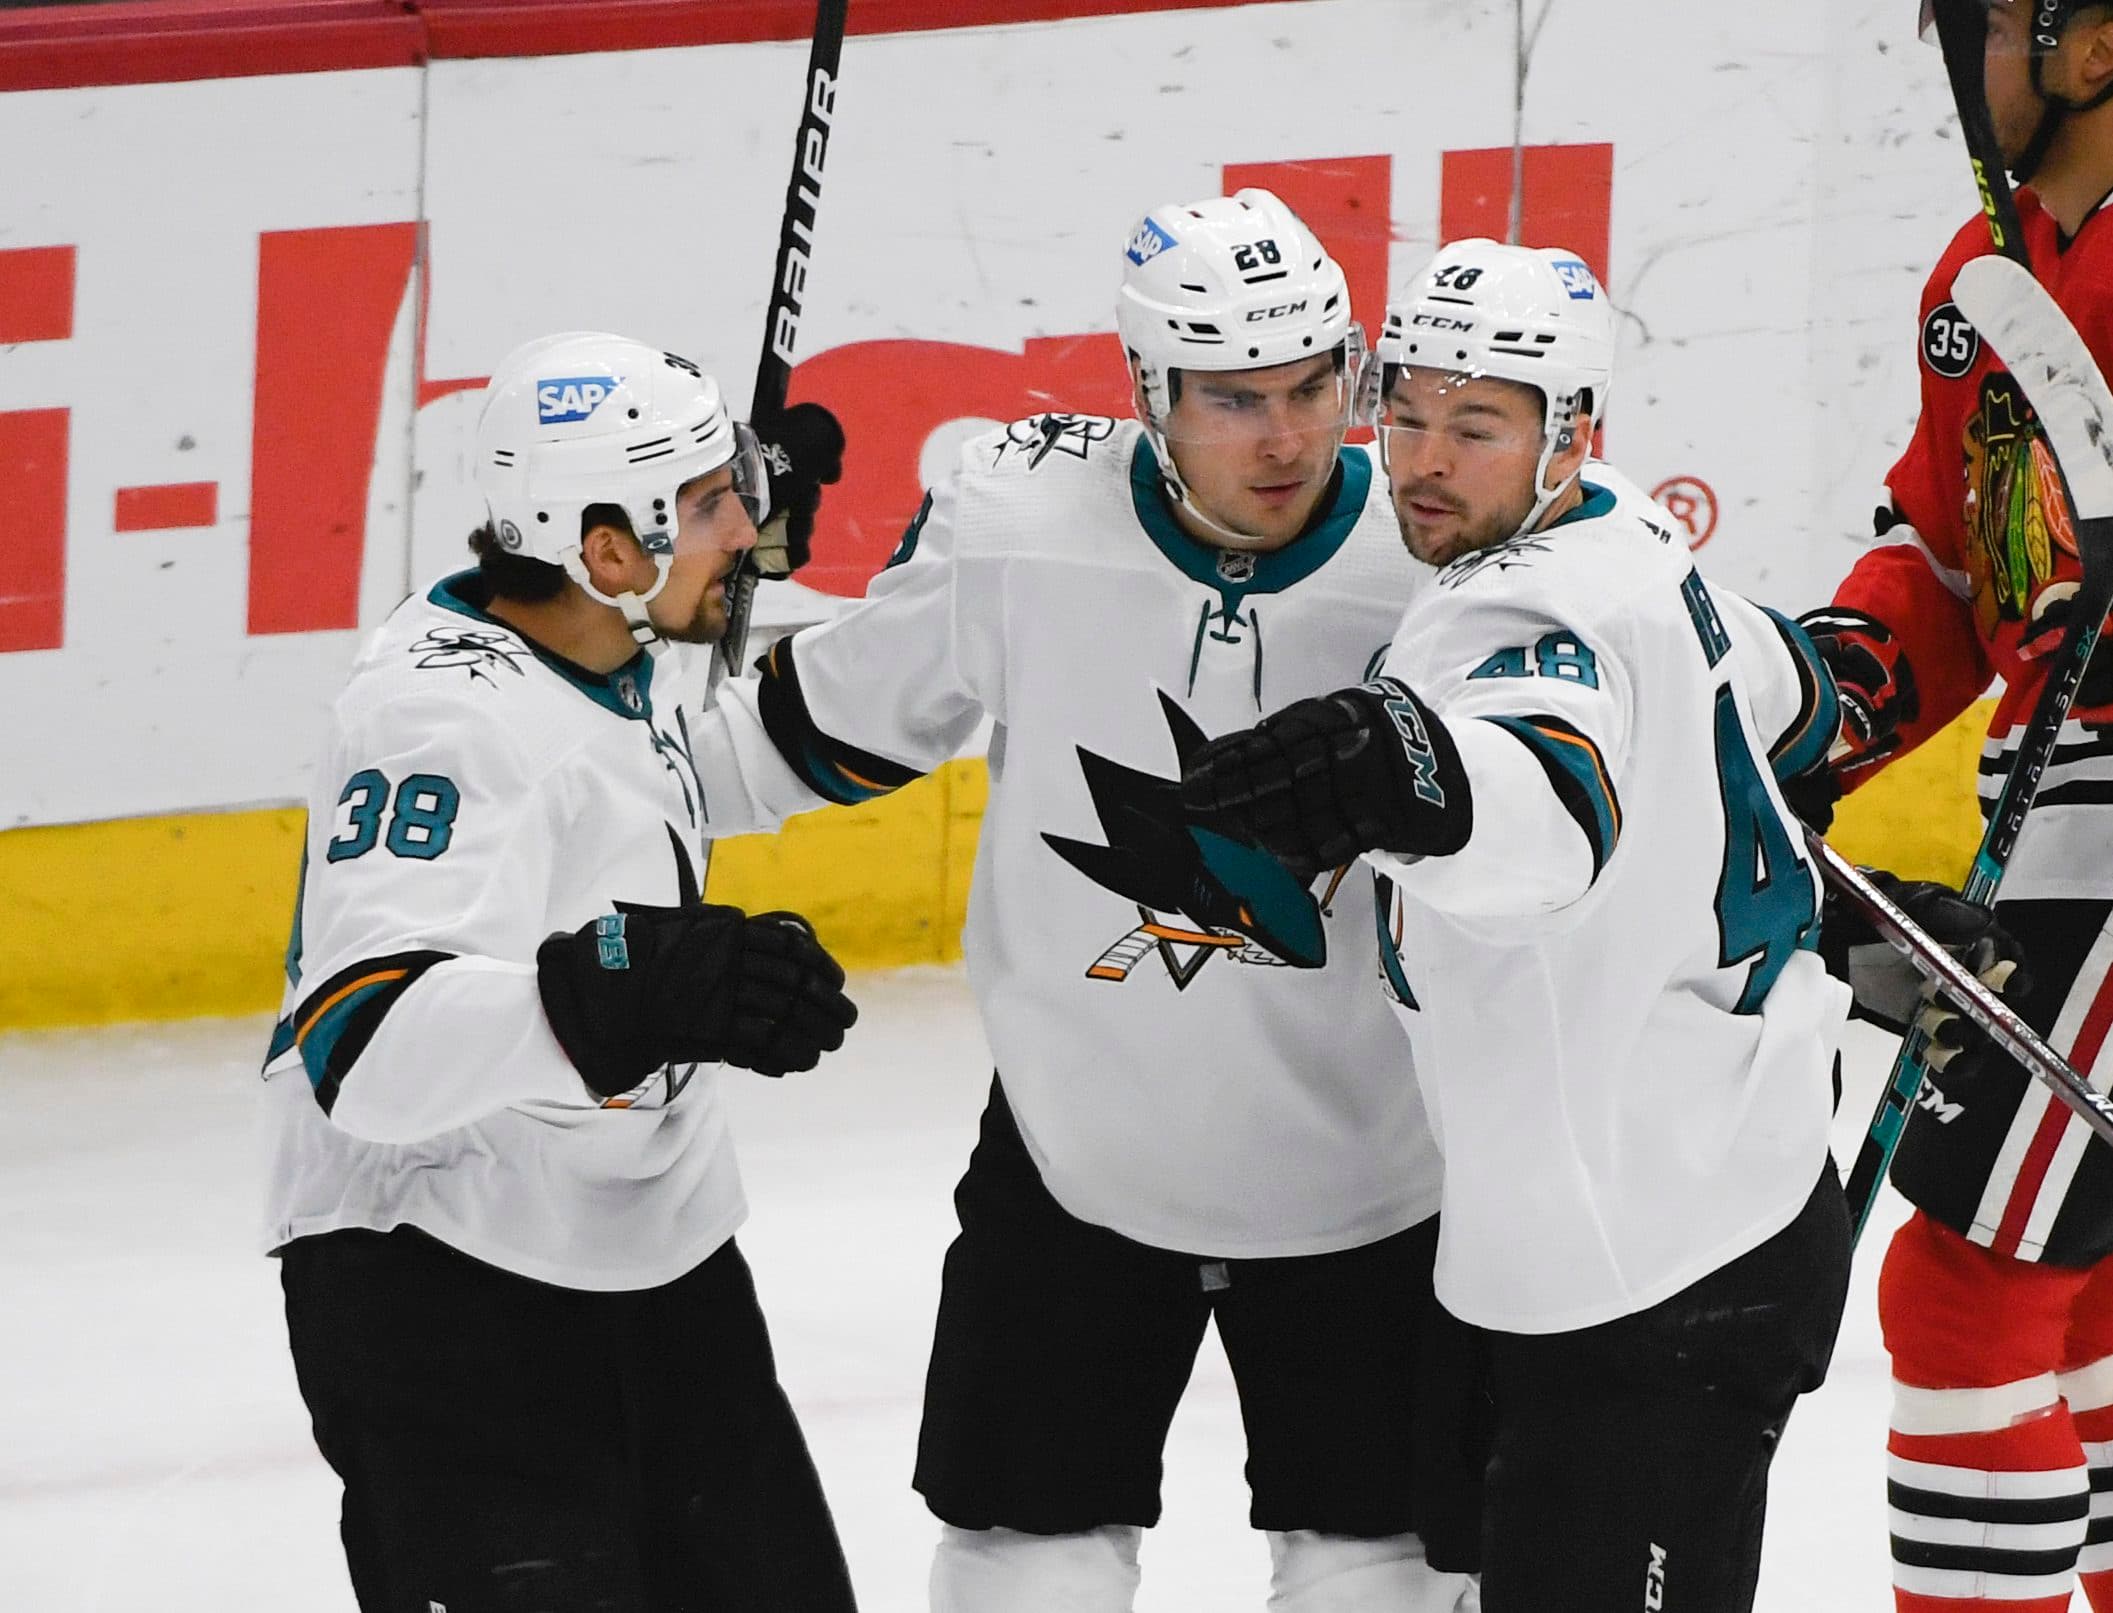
<point x="1228" y="283"/>
<point x="585" y="418"/>
<point x="1535" y="315"/>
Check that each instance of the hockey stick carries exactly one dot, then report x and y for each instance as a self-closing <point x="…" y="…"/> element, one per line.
<point x="2029" y="331"/>
<point x="788" y="287"/>
<point x="1962" y="34"/>
<point x="1964" y="990"/>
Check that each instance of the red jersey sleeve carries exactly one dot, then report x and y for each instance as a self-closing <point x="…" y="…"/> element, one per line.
<point x="1979" y="486"/>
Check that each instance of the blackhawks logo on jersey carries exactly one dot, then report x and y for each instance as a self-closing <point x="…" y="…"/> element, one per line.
<point x="1198" y="894"/>
<point x="2016" y="515"/>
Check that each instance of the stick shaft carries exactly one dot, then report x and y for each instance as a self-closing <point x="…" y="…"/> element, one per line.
<point x="788" y="285"/>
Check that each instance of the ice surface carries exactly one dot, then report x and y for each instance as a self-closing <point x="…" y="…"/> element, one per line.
<point x="154" y="1454"/>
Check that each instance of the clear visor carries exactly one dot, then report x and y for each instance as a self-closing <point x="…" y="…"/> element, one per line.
<point x="1416" y="410"/>
<point x="714" y="506"/>
<point x="751" y="474"/>
<point x="1306" y="398"/>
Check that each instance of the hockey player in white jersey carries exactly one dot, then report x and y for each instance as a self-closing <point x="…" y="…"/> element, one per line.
<point x="1201" y="1111"/>
<point x="500" y="1182"/>
<point x="1600" y="928"/>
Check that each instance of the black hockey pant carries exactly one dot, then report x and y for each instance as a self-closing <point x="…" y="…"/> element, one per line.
<point x="511" y="1447"/>
<point x="1631" y="1464"/>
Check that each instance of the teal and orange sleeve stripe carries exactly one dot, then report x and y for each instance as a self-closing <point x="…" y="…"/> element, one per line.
<point x="1805" y="743"/>
<point x="1578" y="774"/>
<point x="834" y="770"/>
<point x="337" y="1020"/>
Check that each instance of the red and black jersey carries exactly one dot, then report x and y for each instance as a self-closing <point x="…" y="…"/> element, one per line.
<point x="1978" y="483"/>
<point x="1964" y="596"/>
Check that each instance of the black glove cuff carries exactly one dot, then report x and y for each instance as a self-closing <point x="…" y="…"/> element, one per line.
<point x="1432" y="813"/>
<point x="606" y="1067"/>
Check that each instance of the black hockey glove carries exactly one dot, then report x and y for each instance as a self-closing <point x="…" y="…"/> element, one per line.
<point x="647" y="986"/>
<point x="1891" y="992"/>
<point x="1872" y="677"/>
<point x="1364" y="769"/>
<point x="804" y="453"/>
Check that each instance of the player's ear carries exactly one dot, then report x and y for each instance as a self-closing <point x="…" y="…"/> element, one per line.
<point x="610" y="555"/>
<point x="2090" y="42"/>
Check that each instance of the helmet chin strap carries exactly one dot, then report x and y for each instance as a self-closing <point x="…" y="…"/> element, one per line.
<point x="632" y="603"/>
<point x="1543" y="494"/>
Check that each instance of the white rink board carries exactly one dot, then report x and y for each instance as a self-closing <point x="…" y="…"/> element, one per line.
<point x="1782" y="177"/>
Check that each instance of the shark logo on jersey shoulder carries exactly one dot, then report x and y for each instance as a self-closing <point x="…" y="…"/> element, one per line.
<point x="1500" y="556"/>
<point x="1198" y="895"/>
<point x="565" y="399"/>
<point x="1040" y="435"/>
<point x="480" y="651"/>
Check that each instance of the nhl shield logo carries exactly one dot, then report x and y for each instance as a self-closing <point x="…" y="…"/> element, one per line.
<point x="1235" y="566"/>
<point x="627" y="691"/>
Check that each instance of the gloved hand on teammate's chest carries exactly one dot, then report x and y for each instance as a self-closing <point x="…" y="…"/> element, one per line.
<point x="803" y="451"/>
<point x="1891" y="992"/>
<point x="1364" y="769"/>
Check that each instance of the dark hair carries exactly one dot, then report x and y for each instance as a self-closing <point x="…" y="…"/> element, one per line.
<point x="521" y="577"/>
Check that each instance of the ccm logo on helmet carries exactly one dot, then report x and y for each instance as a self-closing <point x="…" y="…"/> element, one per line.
<point x="1577" y="279"/>
<point x="1280" y="311"/>
<point x="1441" y="322"/>
<point x="565" y="398"/>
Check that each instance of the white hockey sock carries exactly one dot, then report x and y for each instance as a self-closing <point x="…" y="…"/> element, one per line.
<point x="1004" y="1571"/>
<point x="1316" y="1573"/>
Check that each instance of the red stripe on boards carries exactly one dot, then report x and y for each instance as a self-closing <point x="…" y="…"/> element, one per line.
<point x="172" y="41"/>
<point x="327" y="301"/>
<point x="164" y="508"/>
<point x="33" y="557"/>
<point x="36" y="294"/>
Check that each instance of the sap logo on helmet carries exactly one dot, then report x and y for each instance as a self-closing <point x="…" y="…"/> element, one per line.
<point x="1441" y="322"/>
<point x="1577" y="279"/>
<point x="1281" y="310"/>
<point x="562" y="399"/>
<point x="1149" y="241"/>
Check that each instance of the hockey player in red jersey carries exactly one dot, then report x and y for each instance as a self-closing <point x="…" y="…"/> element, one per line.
<point x="1997" y="1296"/>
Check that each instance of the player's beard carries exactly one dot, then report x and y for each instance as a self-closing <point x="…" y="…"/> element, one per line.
<point x="707" y="621"/>
<point x="1463" y="534"/>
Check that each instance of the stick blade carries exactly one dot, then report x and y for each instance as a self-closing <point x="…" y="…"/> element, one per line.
<point x="2017" y="317"/>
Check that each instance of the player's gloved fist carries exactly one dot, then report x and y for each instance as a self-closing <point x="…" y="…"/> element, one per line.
<point x="1890" y="991"/>
<point x="1364" y="769"/>
<point x="643" y="987"/>
<point x="1872" y="678"/>
<point x="1812" y="795"/>
<point x="2052" y="608"/>
<point x="803" y="453"/>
